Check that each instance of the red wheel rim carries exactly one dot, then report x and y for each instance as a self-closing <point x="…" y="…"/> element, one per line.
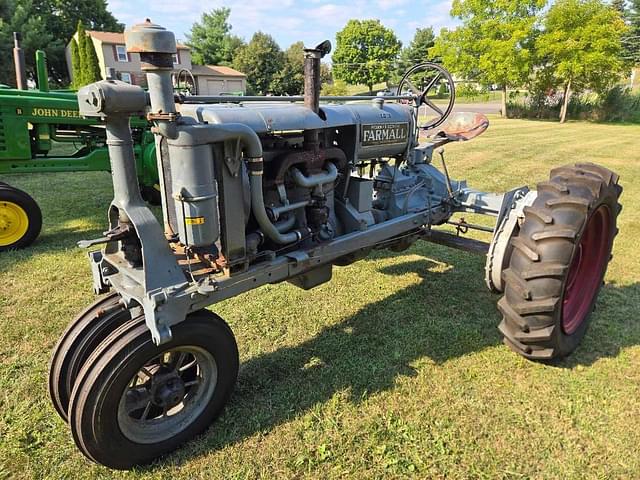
<point x="586" y="270"/>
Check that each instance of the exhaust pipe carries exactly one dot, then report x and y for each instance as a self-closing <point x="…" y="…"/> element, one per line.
<point x="312" y="85"/>
<point x="18" y="61"/>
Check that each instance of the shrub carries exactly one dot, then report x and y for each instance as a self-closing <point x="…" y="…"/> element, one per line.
<point x="337" y="88"/>
<point x="472" y="92"/>
<point x="616" y="105"/>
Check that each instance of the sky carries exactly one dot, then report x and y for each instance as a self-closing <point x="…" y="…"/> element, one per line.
<point x="288" y="21"/>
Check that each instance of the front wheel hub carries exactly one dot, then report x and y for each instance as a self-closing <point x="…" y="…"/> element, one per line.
<point x="14" y="223"/>
<point x="168" y="392"/>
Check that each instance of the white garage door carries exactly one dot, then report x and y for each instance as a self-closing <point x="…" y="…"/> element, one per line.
<point x="215" y="87"/>
<point x="234" y="86"/>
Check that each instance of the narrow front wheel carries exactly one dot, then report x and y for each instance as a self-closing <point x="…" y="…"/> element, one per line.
<point x="81" y="338"/>
<point x="134" y="401"/>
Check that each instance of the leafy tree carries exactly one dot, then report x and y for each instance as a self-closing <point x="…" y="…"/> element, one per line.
<point x="19" y="17"/>
<point x="494" y="44"/>
<point x="233" y="44"/>
<point x="63" y="15"/>
<point x="581" y="43"/>
<point x="60" y="18"/>
<point x="290" y="80"/>
<point x="210" y="40"/>
<point x="418" y="49"/>
<point x="365" y="53"/>
<point x="48" y="25"/>
<point x="261" y="59"/>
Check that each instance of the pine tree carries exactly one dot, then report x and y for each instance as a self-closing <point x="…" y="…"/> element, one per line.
<point x="620" y="6"/>
<point x="86" y="68"/>
<point x="627" y="53"/>
<point x="632" y="39"/>
<point x="76" y="67"/>
<point x="82" y="48"/>
<point x="92" y="67"/>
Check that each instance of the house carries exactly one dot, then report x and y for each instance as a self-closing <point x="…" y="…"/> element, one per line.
<point x="111" y="51"/>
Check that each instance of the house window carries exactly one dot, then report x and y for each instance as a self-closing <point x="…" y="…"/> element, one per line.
<point x="121" y="53"/>
<point x="176" y="59"/>
<point x="125" y="77"/>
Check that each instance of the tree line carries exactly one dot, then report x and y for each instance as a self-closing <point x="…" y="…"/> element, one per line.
<point x="366" y="53"/>
<point x="566" y="46"/>
<point x="48" y="25"/>
<point x="571" y="46"/>
<point x="269" y="69"/>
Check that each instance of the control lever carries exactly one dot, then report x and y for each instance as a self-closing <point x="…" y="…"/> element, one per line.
<point x="121" y="232"/>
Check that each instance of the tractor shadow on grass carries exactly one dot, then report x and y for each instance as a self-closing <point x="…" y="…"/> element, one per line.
<point x="613" y="326"/>
<point x="446" y="315"/>
<point x="49" y="243"/>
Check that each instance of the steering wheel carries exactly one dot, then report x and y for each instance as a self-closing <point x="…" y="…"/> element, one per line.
<point x="423" y="79"/>
<point x="192" y="88"/>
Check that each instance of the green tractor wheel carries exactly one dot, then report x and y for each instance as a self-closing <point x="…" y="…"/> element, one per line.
<point x="20" y="218"/>
<point x="151" y="194"/>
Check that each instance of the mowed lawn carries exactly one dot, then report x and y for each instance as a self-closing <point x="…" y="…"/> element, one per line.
<point x="394" y="369"/>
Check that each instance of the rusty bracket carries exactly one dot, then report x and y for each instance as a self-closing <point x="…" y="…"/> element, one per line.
<point x="161" y="116"/>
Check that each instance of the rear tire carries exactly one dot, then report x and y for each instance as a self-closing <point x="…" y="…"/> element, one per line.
<point x="151" y="195"/>
<point x="559" y="260"/>
<point x="79" y="340"/>
<point x="20" y="218"/>
<point x="134" y="401"/>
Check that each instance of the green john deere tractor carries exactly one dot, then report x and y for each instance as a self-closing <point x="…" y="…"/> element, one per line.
<point x="42" y="131"/>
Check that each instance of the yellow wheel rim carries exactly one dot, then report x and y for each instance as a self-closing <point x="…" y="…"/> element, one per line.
<point x="14" y="223"/>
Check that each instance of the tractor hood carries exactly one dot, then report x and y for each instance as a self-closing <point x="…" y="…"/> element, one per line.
<point x="265" y="118"/>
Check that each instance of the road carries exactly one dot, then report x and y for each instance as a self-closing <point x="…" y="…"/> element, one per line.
<point x="485" y="108"/>
<point x="488" y="108"/>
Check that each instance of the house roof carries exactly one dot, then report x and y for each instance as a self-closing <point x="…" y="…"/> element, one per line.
<point x="218" y="70"/>
<point x="118" y="38"/>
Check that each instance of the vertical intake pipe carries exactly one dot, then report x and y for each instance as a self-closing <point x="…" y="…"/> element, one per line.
<point x="156" y="47"/>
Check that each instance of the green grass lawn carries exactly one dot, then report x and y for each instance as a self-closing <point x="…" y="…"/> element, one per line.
<point x="394" y="369"/>
<point x="364" y="90"/>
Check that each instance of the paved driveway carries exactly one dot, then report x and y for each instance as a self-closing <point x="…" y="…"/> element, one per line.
<point x="485" y="108"/>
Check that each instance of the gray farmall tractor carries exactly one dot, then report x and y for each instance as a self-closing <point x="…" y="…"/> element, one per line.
<point x="267" y="190"/>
